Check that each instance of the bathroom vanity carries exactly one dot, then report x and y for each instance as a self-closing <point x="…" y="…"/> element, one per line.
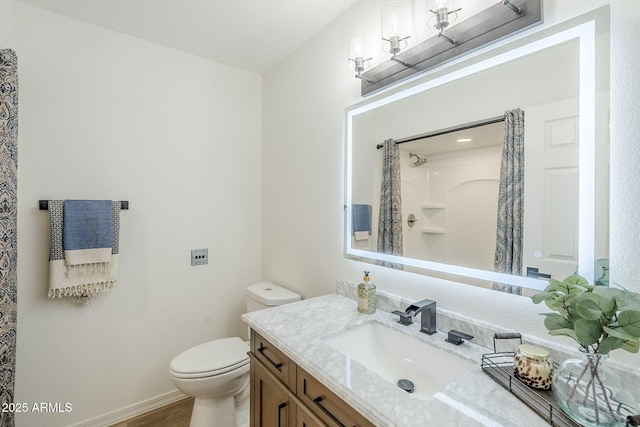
<point x="284" y="394"/>
<point x="301" y="375"/>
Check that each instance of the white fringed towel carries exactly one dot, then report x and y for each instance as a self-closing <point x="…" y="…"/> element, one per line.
<point x="83" y="251"/>
<point x="361" y="235"/>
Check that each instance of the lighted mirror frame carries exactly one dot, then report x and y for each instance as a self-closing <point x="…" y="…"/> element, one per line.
<point x="585" y="34"/>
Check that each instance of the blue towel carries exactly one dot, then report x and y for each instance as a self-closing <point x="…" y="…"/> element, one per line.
<point x="88" y="224"/>
<point x="87" y="231"/>
<point x="75" y="224"/>
<point x="361" y="218"/>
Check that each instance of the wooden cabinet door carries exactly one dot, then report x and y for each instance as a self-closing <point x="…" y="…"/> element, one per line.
<point x="327" y="406"/>
<point x="305" y="418"/>
<point x="272" y="404"/>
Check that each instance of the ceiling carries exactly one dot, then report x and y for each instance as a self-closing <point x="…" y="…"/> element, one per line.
<point x="253" y="35"/>
<point x="480" y="137"/>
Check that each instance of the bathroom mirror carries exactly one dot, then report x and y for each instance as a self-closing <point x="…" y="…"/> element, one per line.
<point x="449" y="189"/>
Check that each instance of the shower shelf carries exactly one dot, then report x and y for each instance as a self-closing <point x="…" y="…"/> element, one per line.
<point x="434" y="206"/>
<point x="434" y="230"/>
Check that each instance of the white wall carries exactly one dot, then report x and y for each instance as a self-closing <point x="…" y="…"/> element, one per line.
<point x="104" y="115"/>
<point x="6" y="24"/>
<point x="304" y="101"/>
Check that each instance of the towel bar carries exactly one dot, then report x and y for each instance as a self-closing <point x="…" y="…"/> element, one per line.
<point x="44" y="205"/>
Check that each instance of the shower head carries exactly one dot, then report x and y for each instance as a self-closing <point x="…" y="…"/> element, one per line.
<point x="419" y="160"/>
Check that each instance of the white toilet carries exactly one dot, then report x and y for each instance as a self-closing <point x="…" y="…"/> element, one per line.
<point x="216" y="373"/>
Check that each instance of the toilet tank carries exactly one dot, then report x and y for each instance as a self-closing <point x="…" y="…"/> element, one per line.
<point x="266" y="294"/>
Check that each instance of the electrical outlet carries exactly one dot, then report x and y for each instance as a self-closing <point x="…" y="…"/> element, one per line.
<point x="199" y="256"/>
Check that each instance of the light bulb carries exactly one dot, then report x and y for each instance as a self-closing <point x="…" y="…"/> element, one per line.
<point x="393" y="25"/>
<point x="396" y="19"/>
<point x="439" y="4"/>
<point x="359" y="45"/>
<point x="359" y="42"/>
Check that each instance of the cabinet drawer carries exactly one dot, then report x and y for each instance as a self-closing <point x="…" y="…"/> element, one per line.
<point x="274" y="360"/>
<point x="331" y="409"/>
<point x="272" y="404"/>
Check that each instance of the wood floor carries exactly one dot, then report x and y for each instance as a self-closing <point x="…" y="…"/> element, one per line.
<point x="175" y="415"/>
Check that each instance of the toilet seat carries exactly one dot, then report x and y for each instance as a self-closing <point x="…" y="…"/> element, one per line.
<point x="211" y="359"/>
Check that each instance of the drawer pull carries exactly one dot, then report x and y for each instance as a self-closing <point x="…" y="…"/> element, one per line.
<point x="276" y="365"/>
<point x="280" y="408"/>
<point x="318" y="402"/>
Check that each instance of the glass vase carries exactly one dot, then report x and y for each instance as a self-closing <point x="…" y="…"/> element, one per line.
<point x="591" y="393"/>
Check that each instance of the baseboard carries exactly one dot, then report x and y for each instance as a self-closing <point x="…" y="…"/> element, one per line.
<point x="134" y="410"/>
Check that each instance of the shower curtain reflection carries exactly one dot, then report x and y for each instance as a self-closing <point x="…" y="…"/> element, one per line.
<point x="508" y="255"/>
<point x="390" y="218"/>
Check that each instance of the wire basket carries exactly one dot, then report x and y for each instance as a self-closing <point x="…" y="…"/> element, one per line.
<point x="500" y="367"/>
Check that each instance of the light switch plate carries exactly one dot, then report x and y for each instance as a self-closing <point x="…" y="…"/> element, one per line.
<point x="199" y="256"/>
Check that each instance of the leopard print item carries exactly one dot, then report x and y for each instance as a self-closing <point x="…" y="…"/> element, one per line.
<point x="533" y="372"/>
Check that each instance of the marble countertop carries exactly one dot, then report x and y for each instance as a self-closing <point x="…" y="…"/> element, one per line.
<point x="472" y="399"/>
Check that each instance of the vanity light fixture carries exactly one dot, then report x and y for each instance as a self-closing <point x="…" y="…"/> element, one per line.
<point x="493" y="23"/>
<point x="440" y="19"/>
<point x="359" y="56"/>
<point x="512" y="6"/>
<point x="396" y="19"/>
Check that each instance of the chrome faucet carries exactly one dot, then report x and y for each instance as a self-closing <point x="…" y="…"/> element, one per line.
<point x="427" y="308"/>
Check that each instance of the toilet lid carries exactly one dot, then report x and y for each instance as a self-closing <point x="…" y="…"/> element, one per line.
<point x="270" y="294"/>
<point x="211" y="358"/>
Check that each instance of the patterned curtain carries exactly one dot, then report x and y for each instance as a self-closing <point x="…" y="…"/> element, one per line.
<point x="508" y="257"/>
<point x="390" y="221"/>
<point x="8" y="235"/>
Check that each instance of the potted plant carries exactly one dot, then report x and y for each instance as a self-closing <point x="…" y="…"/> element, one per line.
<point x="601" y="319"/>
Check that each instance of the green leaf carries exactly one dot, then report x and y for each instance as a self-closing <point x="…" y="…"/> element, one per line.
<point x="598" y="269"/>
<point x="575" y="282"/>
<point x="555" y="321"/>
<point x="618" y="333"/>
<point x="554" y="300"/>
<point x="565" y="332"/>
<point x="609" y="293"/>
<point x="627" y="300"/>
<point x="569" y="286"/>
<point x="557" y="302"/>
<point x="538" y="298"/>
<point x="592" y="307"/>
<point x="601" y="274"/>
<point x="631" y="346"/>
<point x="588" y="332"/>
<point x="629" y="321"/>
<point x="609" y="344"/>
<point x="630" y="343"/>
<point x="555" y="286"/>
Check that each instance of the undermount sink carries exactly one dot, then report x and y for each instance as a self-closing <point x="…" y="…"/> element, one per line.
<point x="394" y="356"/>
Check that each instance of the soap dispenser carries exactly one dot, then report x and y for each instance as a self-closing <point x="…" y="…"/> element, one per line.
<point x="367" y="297"/>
